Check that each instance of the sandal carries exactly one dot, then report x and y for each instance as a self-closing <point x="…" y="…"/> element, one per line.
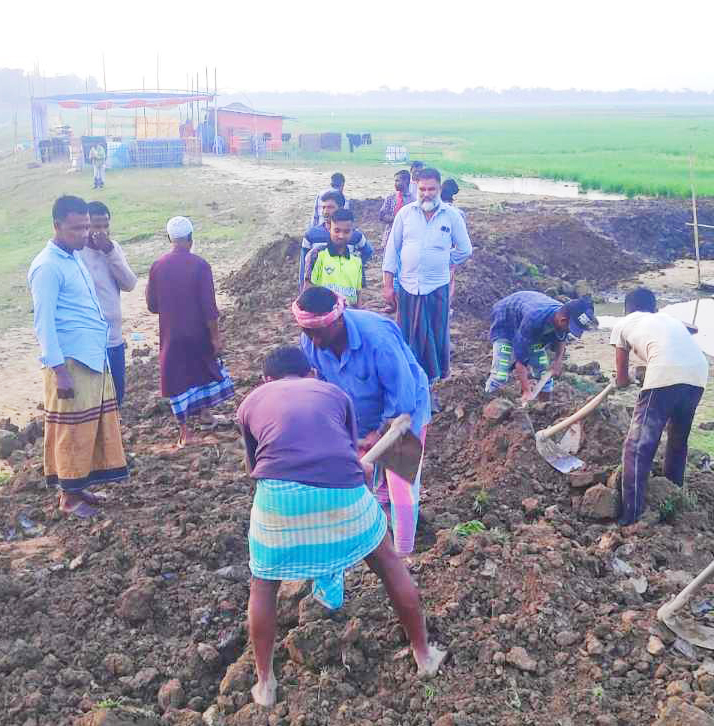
<point x="96" y="500"/>
<point x="80" y="509"/>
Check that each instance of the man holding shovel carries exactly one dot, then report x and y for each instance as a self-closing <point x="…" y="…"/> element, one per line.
<point x="523" y="326"/>
<point x="365" y="355"/>
<point x="676" y="375"/>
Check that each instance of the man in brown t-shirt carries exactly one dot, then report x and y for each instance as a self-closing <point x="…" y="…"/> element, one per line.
<point x="312" y="515"/>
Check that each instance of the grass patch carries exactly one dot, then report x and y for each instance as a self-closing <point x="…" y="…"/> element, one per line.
<point x="111" y="703"/>
<point x="642" y="151"/>
<point x="466" y="528"/>
<point x="141" y="201"/>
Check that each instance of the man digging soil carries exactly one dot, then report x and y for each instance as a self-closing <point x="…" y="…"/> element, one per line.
<point x="313" y="516"/>
<point x="676" y="376"/>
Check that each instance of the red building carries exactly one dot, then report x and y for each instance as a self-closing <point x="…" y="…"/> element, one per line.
<point x="242" y="128"/>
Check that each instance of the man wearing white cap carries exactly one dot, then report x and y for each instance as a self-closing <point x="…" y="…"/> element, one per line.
<point x="180" y="290"/>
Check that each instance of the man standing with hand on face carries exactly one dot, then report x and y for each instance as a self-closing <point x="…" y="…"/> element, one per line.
<point x="180" y="290"/>
<point x="428" y="237"/>
<point x="83" y="443"/>
<point x="112" y="275"/>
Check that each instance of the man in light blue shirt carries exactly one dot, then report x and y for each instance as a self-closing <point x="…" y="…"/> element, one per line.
<point x="82" y="436"/>
<point x="365" y="355"/>
<point x="428" y="238"/>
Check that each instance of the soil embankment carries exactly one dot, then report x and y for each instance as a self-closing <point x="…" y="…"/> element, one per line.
<point x="548" y="613"/>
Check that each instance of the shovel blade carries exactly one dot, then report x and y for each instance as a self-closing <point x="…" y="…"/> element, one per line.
<point x="700" y="635"/>
<point x="403" y="457"/>
<point x="558" y="458"/>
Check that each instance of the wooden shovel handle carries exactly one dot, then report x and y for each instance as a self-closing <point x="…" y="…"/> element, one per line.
<point x="591" y="405"/>
<point x="683" y="598"/>
<point x="399" y="427"/>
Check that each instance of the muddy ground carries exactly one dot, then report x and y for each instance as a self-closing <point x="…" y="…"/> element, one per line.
<point x="548" y="613"/>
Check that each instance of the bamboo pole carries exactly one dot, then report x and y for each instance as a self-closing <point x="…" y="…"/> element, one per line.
<point x="695" y="223"/>
<point x="215" y="111"/>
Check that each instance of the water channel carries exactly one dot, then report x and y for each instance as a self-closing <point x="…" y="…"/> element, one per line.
<point x="535" y="186"/>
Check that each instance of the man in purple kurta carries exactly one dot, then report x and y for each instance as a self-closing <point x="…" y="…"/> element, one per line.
<point x="180" y="290"/>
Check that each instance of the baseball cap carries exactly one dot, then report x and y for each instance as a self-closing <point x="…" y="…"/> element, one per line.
<point x="179" y="228"/>
<point x="582" y="315"/>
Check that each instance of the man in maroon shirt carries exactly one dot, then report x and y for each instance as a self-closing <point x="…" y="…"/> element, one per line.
<point x="180" y="290"/>
<point x="312" y="515"/>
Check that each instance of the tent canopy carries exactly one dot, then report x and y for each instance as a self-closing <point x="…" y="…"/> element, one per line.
<point x="103" y="101"/>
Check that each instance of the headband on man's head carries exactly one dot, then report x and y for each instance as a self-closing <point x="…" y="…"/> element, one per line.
<point x="313" y="320"/>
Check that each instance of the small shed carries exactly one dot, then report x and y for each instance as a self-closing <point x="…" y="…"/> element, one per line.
<point x="242" y="127"/>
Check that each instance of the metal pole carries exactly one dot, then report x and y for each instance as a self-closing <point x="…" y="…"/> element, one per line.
<point x="106" y="111"/>
<point x="215" y="111"/>
<point x="696" y="225"/>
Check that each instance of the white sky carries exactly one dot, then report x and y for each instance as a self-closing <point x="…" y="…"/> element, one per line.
<point x="349" y="46"/>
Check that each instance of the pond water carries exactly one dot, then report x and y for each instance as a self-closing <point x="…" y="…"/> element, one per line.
<point x="699" y="312"/>
<point x="537" y="187"/>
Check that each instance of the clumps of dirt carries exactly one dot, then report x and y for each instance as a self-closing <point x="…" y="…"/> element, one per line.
<point x="268" y="279"/>
<point x="547" y="608"/>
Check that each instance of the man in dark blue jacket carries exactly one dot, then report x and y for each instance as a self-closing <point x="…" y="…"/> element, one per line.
<point x="320" y="235"/>
<point x="523" y="326"/>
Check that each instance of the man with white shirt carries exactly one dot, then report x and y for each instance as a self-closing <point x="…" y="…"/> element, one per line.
<point x="676" y="376"/>
<point x="428" y="237"/>
<point x="112" y="275"/>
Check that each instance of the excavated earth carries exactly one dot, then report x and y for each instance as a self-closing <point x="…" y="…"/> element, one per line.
<point x="547" y="609"/>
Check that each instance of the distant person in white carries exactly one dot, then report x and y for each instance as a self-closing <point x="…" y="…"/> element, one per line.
<point x="414" y="169"/>
<point x="676" y="376"/>
<point x="112" y="275"/>
<point x="337" y="184"/>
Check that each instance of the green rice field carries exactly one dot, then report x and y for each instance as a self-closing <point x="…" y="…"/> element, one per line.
<point x="638" y="151"/>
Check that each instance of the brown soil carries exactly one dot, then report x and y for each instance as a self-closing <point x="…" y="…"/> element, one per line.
<point x="118" y="607"/>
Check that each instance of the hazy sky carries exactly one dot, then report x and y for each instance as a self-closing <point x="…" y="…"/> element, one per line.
<point x="357" y="46"/>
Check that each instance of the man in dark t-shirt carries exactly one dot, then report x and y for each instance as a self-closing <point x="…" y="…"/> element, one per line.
<point x="312" y="515"/>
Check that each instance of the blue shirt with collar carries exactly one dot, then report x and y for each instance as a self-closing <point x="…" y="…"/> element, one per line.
<point x="377" y="370"/>
<point x="68" y="318"/>
<point x="422" y="250"/>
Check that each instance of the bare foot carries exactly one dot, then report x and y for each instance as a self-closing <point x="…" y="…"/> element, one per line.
<point x="264" y="692"/>
<point x="428" y="666"/>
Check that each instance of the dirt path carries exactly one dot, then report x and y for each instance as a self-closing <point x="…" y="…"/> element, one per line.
<point x="279" y="198"/>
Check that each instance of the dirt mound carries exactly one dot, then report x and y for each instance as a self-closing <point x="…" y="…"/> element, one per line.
<point x="267" y="277"/>
<point x="548" y="613"/>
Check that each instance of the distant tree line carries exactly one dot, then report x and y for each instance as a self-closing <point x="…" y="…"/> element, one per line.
<point x="470" y="98"/>
<point x="16" y="85"/>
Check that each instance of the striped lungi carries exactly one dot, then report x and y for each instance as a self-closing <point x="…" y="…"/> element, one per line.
<point x="424" y="320"/>
<point x="300" y="532"/>
<point x="196" y="398"/>
<point x="83" y="443"/>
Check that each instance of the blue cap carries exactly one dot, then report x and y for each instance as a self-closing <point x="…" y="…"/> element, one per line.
<point x="582" y="315"/>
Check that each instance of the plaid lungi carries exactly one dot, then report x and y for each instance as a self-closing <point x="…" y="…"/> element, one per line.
<point x="196" y="398"/>
<point x="424" y="320"/>
<point x="83" y="443"/>
<point x="301" y="532"/>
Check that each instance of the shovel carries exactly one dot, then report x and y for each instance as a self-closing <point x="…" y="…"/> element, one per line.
<point x="687" y="629"/>
<point x="399" y="450"/>
<point x="555" y="454"/>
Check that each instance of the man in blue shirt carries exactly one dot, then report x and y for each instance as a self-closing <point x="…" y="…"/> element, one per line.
<point x="365" y="355"/>
<point x="428" y="238"/>
<point x="83" y="443"/>
<point x="523" y="326"/>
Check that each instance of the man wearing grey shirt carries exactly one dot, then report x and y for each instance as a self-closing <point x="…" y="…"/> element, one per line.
<point x="428" y="237"/>
<point x="112" y="275"/>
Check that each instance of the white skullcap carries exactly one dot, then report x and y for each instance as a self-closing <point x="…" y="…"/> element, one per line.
<point x="179" y="228"/>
